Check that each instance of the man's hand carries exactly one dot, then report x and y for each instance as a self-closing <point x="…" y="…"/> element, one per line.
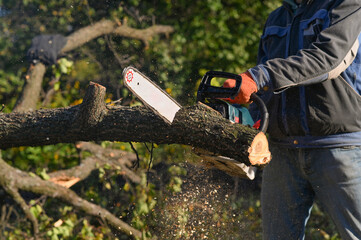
<point x="248" y="87"/>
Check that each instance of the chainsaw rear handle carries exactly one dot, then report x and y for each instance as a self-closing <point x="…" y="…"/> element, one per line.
<point x="206" y="90"/>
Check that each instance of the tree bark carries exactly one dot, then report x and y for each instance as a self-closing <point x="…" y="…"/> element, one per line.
<point x="31" y="89"/>
<point x="197" y="126"/>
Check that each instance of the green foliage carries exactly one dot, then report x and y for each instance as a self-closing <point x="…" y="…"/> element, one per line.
<point x="50" y="157"/>
<point x="10" y="84"/>
<point x="63" y="66"/>
<point x="36" y="210"/>
<point x="209" y="35"/>
<point x="217" y="35"/>
<point x="144" y="203"/>
<point x="175" y="184"/>
<point x="62" y="231"/>
<point x="86" y="231"/>
<point x="44" y="175"/>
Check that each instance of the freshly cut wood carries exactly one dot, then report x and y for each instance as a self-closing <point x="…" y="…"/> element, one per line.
<point x="259" y="153"/>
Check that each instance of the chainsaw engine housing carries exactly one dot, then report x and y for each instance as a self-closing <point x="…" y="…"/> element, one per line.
<point x="234" y="112"/>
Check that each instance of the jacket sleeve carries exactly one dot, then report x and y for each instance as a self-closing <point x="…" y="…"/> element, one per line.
<point x="333" y="51"/>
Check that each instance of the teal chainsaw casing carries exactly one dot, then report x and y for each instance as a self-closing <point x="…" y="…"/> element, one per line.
<point x="234" y="112"/>
<point x="240" y="113"/>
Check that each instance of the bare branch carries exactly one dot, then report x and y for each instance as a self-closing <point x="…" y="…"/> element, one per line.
<point x="31" y="89"/>
<point x="23" y="181"/>
<point x="116" y="159"/>
<point x="32" y="86"/>
<point x="105" y="27"/>
<point x="14" y="193"/>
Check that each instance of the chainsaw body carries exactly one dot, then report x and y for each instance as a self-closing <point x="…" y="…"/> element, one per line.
<point x="212" y="96"/>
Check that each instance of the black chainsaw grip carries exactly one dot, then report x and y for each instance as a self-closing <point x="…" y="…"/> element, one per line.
<point x="264" y="112"/>
<point x="206" y="90"/>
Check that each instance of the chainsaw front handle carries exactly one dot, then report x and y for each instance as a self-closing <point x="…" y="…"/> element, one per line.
<point x="264" y="112"/>
<point x="206" y="90"/>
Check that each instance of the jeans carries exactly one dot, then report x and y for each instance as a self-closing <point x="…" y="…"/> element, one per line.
<point x="293" y="179"/>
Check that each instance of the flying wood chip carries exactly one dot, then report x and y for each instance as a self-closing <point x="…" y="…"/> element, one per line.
<point x="65" y="181"/>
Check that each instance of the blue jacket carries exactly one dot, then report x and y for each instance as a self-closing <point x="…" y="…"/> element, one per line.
<point x="309" y="73"/>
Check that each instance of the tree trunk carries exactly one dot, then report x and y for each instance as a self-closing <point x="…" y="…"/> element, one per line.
<point x="197" y="126"/>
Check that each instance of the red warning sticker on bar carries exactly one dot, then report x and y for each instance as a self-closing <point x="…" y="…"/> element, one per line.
<point x="129" y="76"/>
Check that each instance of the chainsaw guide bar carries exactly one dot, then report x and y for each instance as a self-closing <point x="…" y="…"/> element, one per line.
<point x="151" y="94"/>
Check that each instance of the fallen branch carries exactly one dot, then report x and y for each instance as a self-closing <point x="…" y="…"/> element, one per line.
<point x="17" y="179"/>
<point x="197" y="126"/>
<point x="116" y="159"/>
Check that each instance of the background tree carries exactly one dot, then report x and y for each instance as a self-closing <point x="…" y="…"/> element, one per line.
<point x="121" y="201"/>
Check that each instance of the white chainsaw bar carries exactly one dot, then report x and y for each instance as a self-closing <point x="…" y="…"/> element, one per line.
<point x="166" y="107"/>
<point x="151" y="94"/>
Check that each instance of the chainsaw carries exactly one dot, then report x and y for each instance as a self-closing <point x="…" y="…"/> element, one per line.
<point x="166" y="107"/>
<point x="214" y="97"/>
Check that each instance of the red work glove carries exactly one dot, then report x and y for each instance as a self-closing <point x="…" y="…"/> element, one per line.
<point x="248" y="87"/>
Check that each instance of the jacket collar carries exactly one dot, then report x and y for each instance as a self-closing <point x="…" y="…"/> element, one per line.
<point x="292" y="5"/>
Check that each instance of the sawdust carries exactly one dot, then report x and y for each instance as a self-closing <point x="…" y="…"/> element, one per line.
<point x="203" y="209"/>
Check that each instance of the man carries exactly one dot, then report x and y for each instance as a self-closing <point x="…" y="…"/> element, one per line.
<point x="309" y="73"/>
